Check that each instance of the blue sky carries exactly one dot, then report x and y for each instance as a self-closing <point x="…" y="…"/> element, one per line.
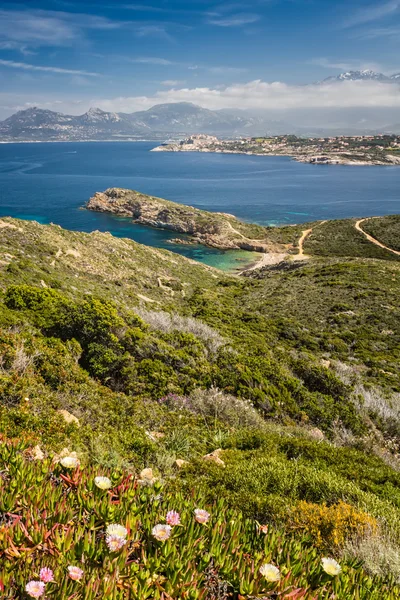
<point x="126" y="55"/>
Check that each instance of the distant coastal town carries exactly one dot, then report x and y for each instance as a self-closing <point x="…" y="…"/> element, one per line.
<point x="342" y="150"/>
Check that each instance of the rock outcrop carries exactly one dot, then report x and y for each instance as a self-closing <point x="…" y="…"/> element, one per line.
<point x="218" y="230"/>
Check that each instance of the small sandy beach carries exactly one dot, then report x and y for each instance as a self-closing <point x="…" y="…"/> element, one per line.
<point x="265" y="260"/>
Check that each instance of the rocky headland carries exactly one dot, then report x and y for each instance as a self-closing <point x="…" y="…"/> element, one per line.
<point x="217" y="230"/>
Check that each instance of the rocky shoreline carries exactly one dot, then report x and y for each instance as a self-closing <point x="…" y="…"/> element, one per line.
<point x="217" y="230"/>
<point x="211" y="144"/>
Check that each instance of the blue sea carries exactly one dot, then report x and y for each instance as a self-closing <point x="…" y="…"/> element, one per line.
<point x="50" y="182"/>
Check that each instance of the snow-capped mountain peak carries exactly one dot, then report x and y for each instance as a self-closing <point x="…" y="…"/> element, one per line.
<point x="364" y="75"/>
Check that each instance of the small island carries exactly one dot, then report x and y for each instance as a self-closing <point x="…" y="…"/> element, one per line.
<point x="343" y="150"/>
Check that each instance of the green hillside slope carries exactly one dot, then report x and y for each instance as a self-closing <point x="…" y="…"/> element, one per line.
<point x="134" y="357"/>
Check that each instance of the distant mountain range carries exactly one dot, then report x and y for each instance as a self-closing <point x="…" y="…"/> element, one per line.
<point x="366" y="75"/>
<point x="184" y="118"/>
<point x="163" y="120"/>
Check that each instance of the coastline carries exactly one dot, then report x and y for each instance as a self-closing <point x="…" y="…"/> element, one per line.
<point x="70" y="141"/>
<point x="265" y="260"/>
<point x="332" y="161"/>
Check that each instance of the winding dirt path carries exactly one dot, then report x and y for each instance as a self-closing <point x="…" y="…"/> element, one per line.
<point x="305" y="235"/>
<point x="272" y="258"/>
<point x="372" y="239"/>
<point x="241" y="234"/>
<point x="300" y="255"/>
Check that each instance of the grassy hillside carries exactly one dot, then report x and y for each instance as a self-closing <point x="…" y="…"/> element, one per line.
<point x="134" y="357"/>
<point x="346" y="310"/>
<point x="385" y="229"/>
<point x="340" y="238"/>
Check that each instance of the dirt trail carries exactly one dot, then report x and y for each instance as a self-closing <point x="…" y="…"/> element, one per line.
<point x="241" y="234"/>
<point x="305" y="234"/>
<point x="235" y="230"/>
<point x="273" y="258"/>
<point x="372" y="239"/>
<point x="300" y="255"/>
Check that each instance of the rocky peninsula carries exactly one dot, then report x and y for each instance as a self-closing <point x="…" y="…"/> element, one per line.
<point x="284" y="245"/>
<point x="217" y="230"/>
<point x="342" y="150"/>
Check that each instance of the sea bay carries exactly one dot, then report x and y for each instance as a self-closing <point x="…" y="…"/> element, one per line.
<point x="50" y="182"/>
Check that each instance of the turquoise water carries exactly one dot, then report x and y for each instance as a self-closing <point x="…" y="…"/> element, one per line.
<point x="51" y="182"/>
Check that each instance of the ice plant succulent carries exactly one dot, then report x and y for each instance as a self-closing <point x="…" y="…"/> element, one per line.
<point x="103" y="483"/>
<point x="75" y="573"/>
<point x="46" y="575"/>
<point x="173" y="518"/>
<point x="201" y="516"/>
<point x="161" y="532"/>
<point x="173" y="559"/>
<point x="331" y="566"/>
<point x="118" y="530"/>
<point x="270" y="572"/>
<point x="115" y="542"/>
<point x="35" y="589"/>
<point x="69" y="462"/>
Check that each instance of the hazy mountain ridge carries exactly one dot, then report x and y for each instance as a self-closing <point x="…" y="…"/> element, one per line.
<point x="161" y="120"/>
<point x="184" y="118"/>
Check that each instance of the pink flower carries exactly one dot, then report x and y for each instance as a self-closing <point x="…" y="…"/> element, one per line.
<point x="35" y="589"/>
<point x="161" y="532"/>
<point x="46" y="575"/>
<point x="75" y="573"/>
<point x="201" y="516"/>
<point x="173" y="518"/>
<point x="115" y="542"/>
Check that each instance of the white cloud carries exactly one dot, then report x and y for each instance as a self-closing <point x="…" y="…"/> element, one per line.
<point x="372" y="12"/>
<point x="268" y="96"/>
<point x="256" y="95"/>
<point x="225" y="70"/>
<point x="11" y="45"/>
<point x="172" y="82"/>
<point x="346" y="65"/>
<point x="157" y="31"/>
<point x="49" y="28"/>
<point x="377" y="32"/>
<point x="149" y="60"/>
<point x="141" y="7"/>
<point x="235" y="20"/>
<point x="28" y="67"/>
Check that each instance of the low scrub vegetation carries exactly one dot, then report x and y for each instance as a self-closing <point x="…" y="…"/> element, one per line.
<point x="385" y="230"/>
<point x="72" y="532"/>
<point x="340" y="238"/>
<point x="271" y="402"/>
<point x="168" y="323"/>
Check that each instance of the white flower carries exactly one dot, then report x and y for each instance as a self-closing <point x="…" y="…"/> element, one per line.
<point x="75" y="573"/>
<point x="35" y="589"/>
<point x="201" y="516"/>
<point x="115" y="542"/>
<point x="270" y="572"/>
<point x="118" y="530"/>
<point x="161" y="532"/>
<point x="69" y="462"/>
<point x="103" y="483"/>
<point x="330" y="566"/>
